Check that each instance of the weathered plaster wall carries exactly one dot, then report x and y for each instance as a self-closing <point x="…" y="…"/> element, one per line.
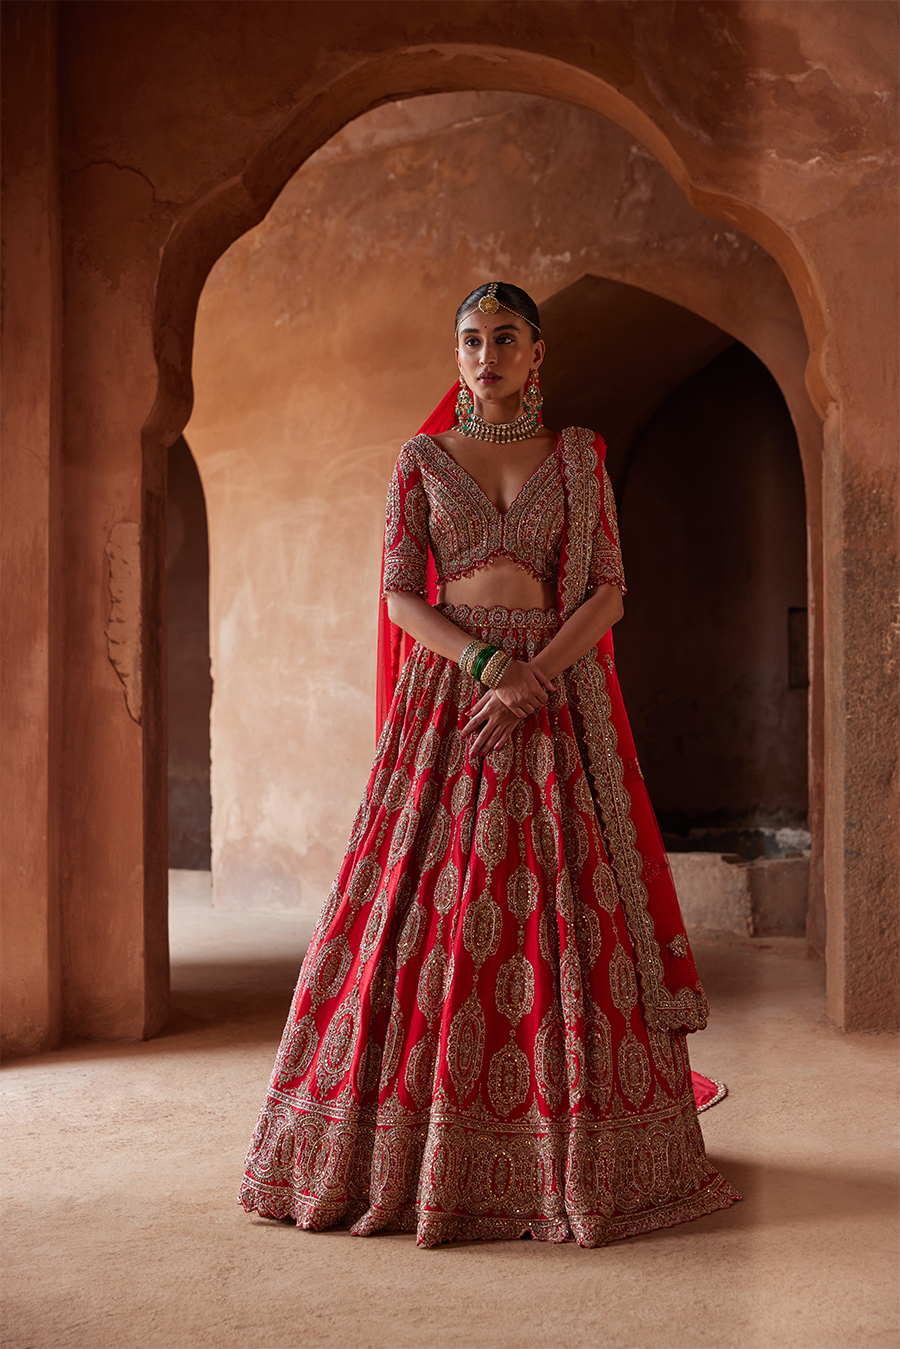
<point x="179" y="124"/>
<point x="29" y="534"/>
<point x="323" y="339"/>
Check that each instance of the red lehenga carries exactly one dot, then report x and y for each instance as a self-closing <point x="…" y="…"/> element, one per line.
<point x="487" y="1038"/>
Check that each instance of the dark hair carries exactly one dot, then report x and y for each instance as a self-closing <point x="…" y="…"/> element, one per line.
<point x="513" y="297"/>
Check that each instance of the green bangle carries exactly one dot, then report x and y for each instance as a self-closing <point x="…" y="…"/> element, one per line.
<point x="481" y="661"/>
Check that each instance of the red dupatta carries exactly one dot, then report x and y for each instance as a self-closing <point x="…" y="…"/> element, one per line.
<point x="394" y="645"/>
<point x="672" y="995"/>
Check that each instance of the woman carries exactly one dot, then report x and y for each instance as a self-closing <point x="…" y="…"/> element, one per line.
<point x="487" y="1037"/>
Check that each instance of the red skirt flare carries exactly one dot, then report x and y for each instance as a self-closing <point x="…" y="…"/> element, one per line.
<point x="466" y="1055"/>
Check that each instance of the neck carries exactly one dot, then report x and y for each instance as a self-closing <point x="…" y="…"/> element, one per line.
<point x="503" y="410"/>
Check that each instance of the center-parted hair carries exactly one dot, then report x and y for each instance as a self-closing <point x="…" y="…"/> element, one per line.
<point x="510" y="297"/>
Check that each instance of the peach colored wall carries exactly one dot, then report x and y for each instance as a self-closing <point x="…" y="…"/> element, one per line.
<point x="324" y="337"/>
<point x="180" y="123"/>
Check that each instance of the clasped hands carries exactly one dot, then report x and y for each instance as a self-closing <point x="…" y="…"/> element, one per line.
<point x="521" y="691"/>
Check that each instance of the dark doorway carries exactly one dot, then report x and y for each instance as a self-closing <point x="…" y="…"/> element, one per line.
<point x="190" y="681"/>
<point x="706" y="469"/>
<point x="712" y="514"/>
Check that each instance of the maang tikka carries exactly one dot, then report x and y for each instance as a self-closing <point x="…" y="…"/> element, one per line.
<point x="489" y="304"/>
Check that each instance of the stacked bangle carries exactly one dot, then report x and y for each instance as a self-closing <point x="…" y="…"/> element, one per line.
<point x="472" y="651"/>
<point x="486" y="653"/>
<point x="484" y="662"/>
<point x="494" y="669"/>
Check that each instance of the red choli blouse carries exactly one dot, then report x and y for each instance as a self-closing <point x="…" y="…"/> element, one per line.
<point x="433" y="503"/>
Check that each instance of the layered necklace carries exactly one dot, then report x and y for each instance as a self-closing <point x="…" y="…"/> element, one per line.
<point x="500" y="433"/>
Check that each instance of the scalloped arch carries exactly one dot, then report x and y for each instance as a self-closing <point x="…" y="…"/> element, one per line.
<point x="211" y="223"/>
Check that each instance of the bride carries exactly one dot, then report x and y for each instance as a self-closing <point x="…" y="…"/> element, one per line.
<point x="487" y="1039"/>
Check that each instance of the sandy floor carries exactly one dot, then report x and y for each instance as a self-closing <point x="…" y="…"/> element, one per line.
<point x="122" y="1162"/>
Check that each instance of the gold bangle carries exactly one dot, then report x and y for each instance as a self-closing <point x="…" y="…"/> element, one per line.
<point x="470" y="655"/>
<point x="495" y="669"/>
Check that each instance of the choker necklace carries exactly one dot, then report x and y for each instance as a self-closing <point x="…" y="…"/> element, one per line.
<point x="500" y="433"/>
<point x="523" y="427"/>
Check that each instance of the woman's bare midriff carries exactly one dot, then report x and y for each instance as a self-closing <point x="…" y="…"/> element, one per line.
<point x="502" y="581"/>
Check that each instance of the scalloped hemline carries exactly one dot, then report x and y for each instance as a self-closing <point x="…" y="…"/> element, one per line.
<point x="437" y="1229"/>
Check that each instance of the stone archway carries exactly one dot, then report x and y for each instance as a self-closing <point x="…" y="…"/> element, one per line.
<point x="277" y="316"/>
<point x="777" y="118"/>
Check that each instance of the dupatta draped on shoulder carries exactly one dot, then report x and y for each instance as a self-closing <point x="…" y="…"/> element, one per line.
<point x="671" y="993"/>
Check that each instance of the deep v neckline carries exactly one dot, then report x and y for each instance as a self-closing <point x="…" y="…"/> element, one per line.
<point x="477" y="485"/>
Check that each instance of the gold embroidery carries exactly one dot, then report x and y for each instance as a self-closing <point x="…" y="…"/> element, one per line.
<point x="330" y="970"/>
<point x="461" y="797"/>
<point x="539" y="758"/>
<point x="491" y="834"/>
<point x="411" y="934"/>
<point x="550" y="1059"/>
<point x="588" y="933"/>
<point x="375" y="925"/>
<point x="678" y="945"/>
<point x="465" y="1046"/>
<point x="337" y="1044"/>
<point x="604" y="884"/>
<point x="430" y="993"/>
<point x="687" y="1008"/>
<point x="514" y="990"/>
<point x="465" y="530"/>
<point x="427" y="752"/>
<point x="518" y="801"/>
<point x="461" y="1136"/>
<point x="545" y="840"/>
<point x="420" y="1070"/>
<point x="482" y="926"/>
<point x="598" y="1056"/>
<point x="446" y="892"/>
<point x="622" y="983"/>
<point x="436" y="839"/>
<point x="522" y="893"/>
<point x="509" y="1078"/>
<point x="296" y="1053"/>
<point x="634" y="1068"/>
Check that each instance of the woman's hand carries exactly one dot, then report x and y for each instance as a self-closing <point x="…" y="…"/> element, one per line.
<point x="523" y="688"/>
<point x="493" y="721"/>
<point x="521" y="691"/>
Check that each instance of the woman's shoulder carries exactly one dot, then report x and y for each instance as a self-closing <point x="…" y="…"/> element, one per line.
<point x="418" y="444"/>
<point x="412" y="450"/>
<point x="583" y="444"/>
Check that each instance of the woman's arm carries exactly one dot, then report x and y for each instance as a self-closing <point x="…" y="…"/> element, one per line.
<point x="524" y="687"/>
<point x="591" y="621"/>
<point x="423" y="623"/>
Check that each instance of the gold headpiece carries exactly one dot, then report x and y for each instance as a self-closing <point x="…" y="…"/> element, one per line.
<point x="489" y="304"/>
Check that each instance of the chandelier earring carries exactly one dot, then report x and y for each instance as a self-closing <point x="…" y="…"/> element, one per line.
<point x="533" y="399"/>
<point x="465" y="404"/>
<point x="469" y="423"/>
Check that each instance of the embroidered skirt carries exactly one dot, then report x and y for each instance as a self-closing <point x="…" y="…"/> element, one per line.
<point x="466" y="1055"/>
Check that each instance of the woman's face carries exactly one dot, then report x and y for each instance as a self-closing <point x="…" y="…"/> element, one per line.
<point x="496" y="354"/>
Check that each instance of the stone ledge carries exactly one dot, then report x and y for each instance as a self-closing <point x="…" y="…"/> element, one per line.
<point x="720" y="892"/>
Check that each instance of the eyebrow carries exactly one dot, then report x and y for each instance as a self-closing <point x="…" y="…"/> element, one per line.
<point x="501" y="327"/>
